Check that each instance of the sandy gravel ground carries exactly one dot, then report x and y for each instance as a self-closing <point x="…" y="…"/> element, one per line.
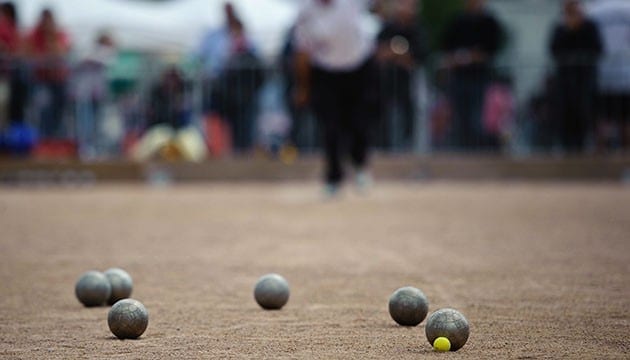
<point x="540" y="270"/>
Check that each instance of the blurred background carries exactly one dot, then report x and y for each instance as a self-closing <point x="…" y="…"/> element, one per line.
<point x="126" y="82"/>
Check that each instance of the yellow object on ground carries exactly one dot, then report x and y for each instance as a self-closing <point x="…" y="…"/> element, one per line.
<point x="185" y="144"/>
<point x="442" y="344"/>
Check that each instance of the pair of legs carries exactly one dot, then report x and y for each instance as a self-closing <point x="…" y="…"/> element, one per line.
<point x="613" y="114"/>
<point x="88" y="119"/>
<point x="467" y="92"/>
<point x="342" y="105"/>
<point x="575" y="112"/>
<point x="235" y="102"/>
<point x="303" y="133"/>
<point x="396" y="98"/>
<point x="575" y="120"/>
<point x="52" y="101"/>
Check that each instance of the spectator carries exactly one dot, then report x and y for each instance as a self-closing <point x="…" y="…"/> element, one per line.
<point x="613" y="124"/>
<point x="10" y="90"/>
<point x="233" y="76"/>
<point x="470" y="43"/>
<point x="47" y="47"/>
<point x="9" y="34"/>
<point x="576" y="47"/>
<point x="169" y="133"/>
<point x="334" y="67"/>
<point x="299" y="114"/>
<point x="18" y="137"/>
<point x="169" y="101"/>
<point x="89" y="88"/>
<point x="402" y="47"/>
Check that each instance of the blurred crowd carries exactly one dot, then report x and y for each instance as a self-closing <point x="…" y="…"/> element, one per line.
<point x="55" y="102"/>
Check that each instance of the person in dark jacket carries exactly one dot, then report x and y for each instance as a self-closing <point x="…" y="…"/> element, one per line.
<point x="576" y="47"/>
<point x="470" y="43"/>
<point x="169" y="101"/>
<point x="233" y="74"/>
<point x="401" y="48"/>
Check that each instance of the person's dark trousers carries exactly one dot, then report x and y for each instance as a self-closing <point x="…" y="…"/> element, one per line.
<point x="52" y="114"/>
<point x="239" y="115"/>
<point x="18" y="93"/>
<point x="236" y="97"/>
<point x="467" y="93"/>
<point x="575" y="104"/>
<point x="235" y="109"/>
<point x="341" y="102"/>
<point x="299" y="117"/>
<point x="575" y="122"/>
<point x="397" y="96"/>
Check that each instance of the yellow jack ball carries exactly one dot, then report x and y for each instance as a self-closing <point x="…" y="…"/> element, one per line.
<point x="442" y="344"/>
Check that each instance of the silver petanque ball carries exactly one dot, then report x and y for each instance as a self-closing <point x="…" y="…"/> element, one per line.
<point x="92" y="288"/>
<point x="271" y="292"/>
<point x="128" y="319"/>
<point x="448" y="323"/>
<point x="408" y="306"/>
<point x="121" y="284"/>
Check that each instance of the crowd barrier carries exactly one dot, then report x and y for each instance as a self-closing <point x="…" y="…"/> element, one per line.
<point x="86" y="113"/>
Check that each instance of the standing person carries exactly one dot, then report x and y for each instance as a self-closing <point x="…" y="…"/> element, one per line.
<point x="333" y="71"/>
<point x="11" y="75"/>
<point x="402" y="47"/>
<point x="297" y="112"/>
<point x="169" y="102"/>
<point x="576" y="47"/>
<point x="47" y="47"/>
<point x="470" y="43"/>
<point x="89" y="88"/>
<point x="613" y="124"/>
<point x="19" y="137"/>
<point x="233" y="75"/>
<point x="169" y="133"/>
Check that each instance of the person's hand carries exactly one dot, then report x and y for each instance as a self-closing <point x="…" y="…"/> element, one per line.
<point x="478" y="56"/>
<point x="464" y="57"/>
<point x="301" y="96"/>
<point x="405" y="61"/>
<point x="447" y="62"/>
<point x="384" y="53"/>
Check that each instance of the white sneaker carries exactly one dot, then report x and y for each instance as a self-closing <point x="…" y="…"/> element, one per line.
<point x="364" y="181"/>
<point x="331" y="191"/>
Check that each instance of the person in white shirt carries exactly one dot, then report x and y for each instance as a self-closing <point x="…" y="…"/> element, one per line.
<point x="334" y="73"/>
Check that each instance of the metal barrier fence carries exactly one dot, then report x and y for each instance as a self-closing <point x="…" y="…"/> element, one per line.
<point x="249" y="107"/>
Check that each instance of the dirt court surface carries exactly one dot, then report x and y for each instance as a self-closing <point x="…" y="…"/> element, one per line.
<point x="539" y="270"/>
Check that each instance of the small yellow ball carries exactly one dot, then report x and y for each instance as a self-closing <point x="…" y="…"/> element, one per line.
<point x="442" y="344"/>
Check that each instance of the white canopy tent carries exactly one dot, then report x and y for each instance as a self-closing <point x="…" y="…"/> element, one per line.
<point x="174" y="26"/>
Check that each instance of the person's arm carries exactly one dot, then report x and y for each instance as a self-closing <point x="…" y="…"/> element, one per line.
<point x="449" y="39"/>
<point x="61" y="47"/>
<point x="596" y="48"/>
<point x="495" y="37"/>
<point x="383" y="50"/>
<point x="302" y="60"/>
<point x="302" y="69"/>
<point x="419" y="45"/>
<point x="28" y="48"/>
<point x="555" y="44"/>
<point x="450" y="43"/>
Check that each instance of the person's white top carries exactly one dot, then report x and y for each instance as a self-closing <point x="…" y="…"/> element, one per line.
<point x="613" y="19"/>
<point x="336" y="35"/>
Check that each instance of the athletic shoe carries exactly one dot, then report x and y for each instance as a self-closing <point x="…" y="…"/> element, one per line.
<point x="364" y="181"/>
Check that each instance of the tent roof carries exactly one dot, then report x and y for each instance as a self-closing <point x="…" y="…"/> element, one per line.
<point x="168" y="26"/>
